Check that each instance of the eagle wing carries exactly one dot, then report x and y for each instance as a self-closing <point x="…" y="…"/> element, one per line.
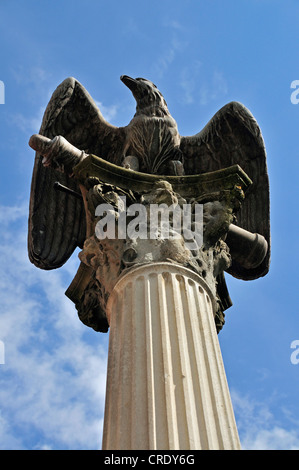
<point x="57" y="220"/>
<point x="232" y="137"/>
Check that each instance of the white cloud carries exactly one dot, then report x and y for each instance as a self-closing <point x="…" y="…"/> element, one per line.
<point x="37" y="87"/>
<point x="200" y="85"/>
<point x="167" y="56"/>
<point x="28" y="124"/>
<point x="52" y="384"/>
<point x="108" y="112"/>
<point x="259" y="429"/>
<point x="173" y="24"/>
<point x="215" y="89"/>
<point x="189" y="81"/>
<point x="34" y="75"/>
<point x="276" y="438"/>
<point x="10" y="214"/>
<point x="187" y="84"/>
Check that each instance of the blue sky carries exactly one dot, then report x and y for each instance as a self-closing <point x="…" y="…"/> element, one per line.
<point x="201" y="55"/>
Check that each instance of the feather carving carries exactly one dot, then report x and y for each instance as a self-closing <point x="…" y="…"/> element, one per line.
<point x="152" y="141"/>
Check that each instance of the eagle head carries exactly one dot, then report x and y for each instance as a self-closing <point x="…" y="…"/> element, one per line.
<point x="146" y="94"/>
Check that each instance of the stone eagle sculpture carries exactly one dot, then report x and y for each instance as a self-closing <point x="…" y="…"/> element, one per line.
<point x="150" y="143"/>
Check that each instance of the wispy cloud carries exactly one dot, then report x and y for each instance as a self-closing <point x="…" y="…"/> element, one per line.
<point x="174" y="24"/>
<point x="34" y="81"/>
<point x="166" y="58"/>
<point x="176" y="43"/>
<point x="189" y="81"/>
<point x="258" y="427"/>
<point x="199" y="85"/>
<point x="52" y="384"/>
<point x="214" y="89"/>
<point x="35" y="89"/>
<point x="38" y="87"/>
<point x="28" y="124"/>
<point x="108" y="112"/>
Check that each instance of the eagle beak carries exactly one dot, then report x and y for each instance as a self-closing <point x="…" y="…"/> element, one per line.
<point x="129" y="82"/>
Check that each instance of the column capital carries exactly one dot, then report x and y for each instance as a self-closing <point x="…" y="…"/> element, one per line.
<point x="111" y="195"/>
<point x="165" y="269"/>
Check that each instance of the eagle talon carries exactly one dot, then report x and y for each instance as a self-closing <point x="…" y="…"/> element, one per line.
<point x="131" y="163"/>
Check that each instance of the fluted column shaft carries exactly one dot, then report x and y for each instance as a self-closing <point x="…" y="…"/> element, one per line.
<point x="166" y="384"/>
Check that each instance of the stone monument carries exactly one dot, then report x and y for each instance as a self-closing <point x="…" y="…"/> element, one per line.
<point x="159" y="219"/>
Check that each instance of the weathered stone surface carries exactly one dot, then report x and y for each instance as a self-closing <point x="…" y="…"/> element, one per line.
<point x="149" y="143"/>
<point x="161" y="295"/>
<point x="166" y="383"/>
<point x="109" y="258"/>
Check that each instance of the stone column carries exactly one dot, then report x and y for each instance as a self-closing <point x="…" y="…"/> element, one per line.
<point x="163" y="299"/>
<point x="157" y="282"/>
<point x="166" y="383"/>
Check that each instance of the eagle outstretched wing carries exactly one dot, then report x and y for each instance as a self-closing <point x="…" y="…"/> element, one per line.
<point x="232" y="137"/>
<point x="57" y="220"/>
